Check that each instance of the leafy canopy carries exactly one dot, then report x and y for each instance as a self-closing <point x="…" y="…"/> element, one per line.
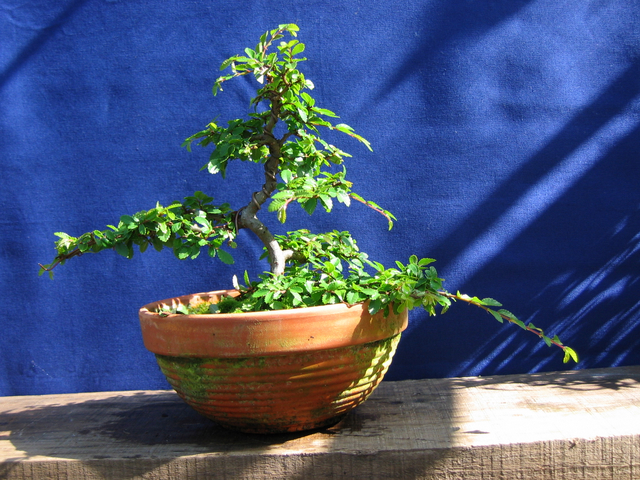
<point x="282" y="132"/>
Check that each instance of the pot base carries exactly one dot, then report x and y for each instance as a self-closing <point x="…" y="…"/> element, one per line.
<point x="280" y="393"/>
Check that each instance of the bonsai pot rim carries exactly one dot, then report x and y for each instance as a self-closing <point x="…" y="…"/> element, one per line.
<point x="275" y="332"/>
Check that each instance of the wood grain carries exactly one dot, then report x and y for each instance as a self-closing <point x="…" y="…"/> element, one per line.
<point x="575" y="424"/>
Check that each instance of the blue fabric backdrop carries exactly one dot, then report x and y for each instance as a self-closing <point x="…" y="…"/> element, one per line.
<point x="506" y="136"/>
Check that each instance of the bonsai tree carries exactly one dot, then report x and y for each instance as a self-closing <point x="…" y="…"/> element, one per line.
<point x="282" y="132"/>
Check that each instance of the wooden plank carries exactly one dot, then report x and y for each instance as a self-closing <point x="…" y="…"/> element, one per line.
<point x="575" y="424"/>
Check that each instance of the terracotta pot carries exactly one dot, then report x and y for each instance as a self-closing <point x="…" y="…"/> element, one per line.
<point x="268" y="372"/>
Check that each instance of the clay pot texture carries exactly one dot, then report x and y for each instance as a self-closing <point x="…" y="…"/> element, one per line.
<point x="274" y="371"/>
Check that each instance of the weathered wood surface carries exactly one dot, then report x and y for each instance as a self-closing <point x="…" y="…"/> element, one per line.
<point x="564" y="425"/>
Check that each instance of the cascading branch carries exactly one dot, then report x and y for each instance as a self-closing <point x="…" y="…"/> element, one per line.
<point x="282" y="133"/>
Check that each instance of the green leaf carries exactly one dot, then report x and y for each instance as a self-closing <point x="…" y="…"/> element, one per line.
<point x="570" y="354"/>
<point x="286" y="175"/>
<point x="508" y="314"/>
<point x="297" y="299"/>
<point x="292" y="28"/>
<point x="124" y="250"/>
<point x="531" y="326"/>
<point x="310" y="205"/>
<point x="353" y="298"/>
<point x="226" y="63"/>
<point x="128" y="221"/>
<point x="425" y="261"/>
<point x="303" y="114"/>
<point x="299" y="48"/>
<point x="308" y="99"/>
<point x="204" y="198"/>
<point x="490" y="302"/>
<point x="374" y="306"/>
<point x="329" y="267"/>
<point x="327" y="203"/>
<point x="370" y="292"/>
<point x="157" y="244"/>
<point x="344" y="128"/>
<point x="496" y="315"/>
<point x="225" y="257"/>
<point x="205" y="223"/>
<point x="343" y="197"/>
<point x="324" y="111"/>
<point x="282" y="215"/>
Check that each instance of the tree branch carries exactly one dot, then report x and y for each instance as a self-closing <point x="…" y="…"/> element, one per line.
<point x="249" y="214"/>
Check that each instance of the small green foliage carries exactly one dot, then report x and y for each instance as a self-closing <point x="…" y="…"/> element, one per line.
<point x="302" y="154"/>
<point x="570" y="354"/>
<point x="184" y="227"/>
<point x="329" y="268"/>
<point x="201" y="308"/>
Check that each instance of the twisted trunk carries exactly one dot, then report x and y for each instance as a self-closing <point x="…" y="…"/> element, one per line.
<point x="248" y="216"/>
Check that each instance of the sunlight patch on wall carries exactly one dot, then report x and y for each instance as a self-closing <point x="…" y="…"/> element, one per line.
<point x="539" y="197"/>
